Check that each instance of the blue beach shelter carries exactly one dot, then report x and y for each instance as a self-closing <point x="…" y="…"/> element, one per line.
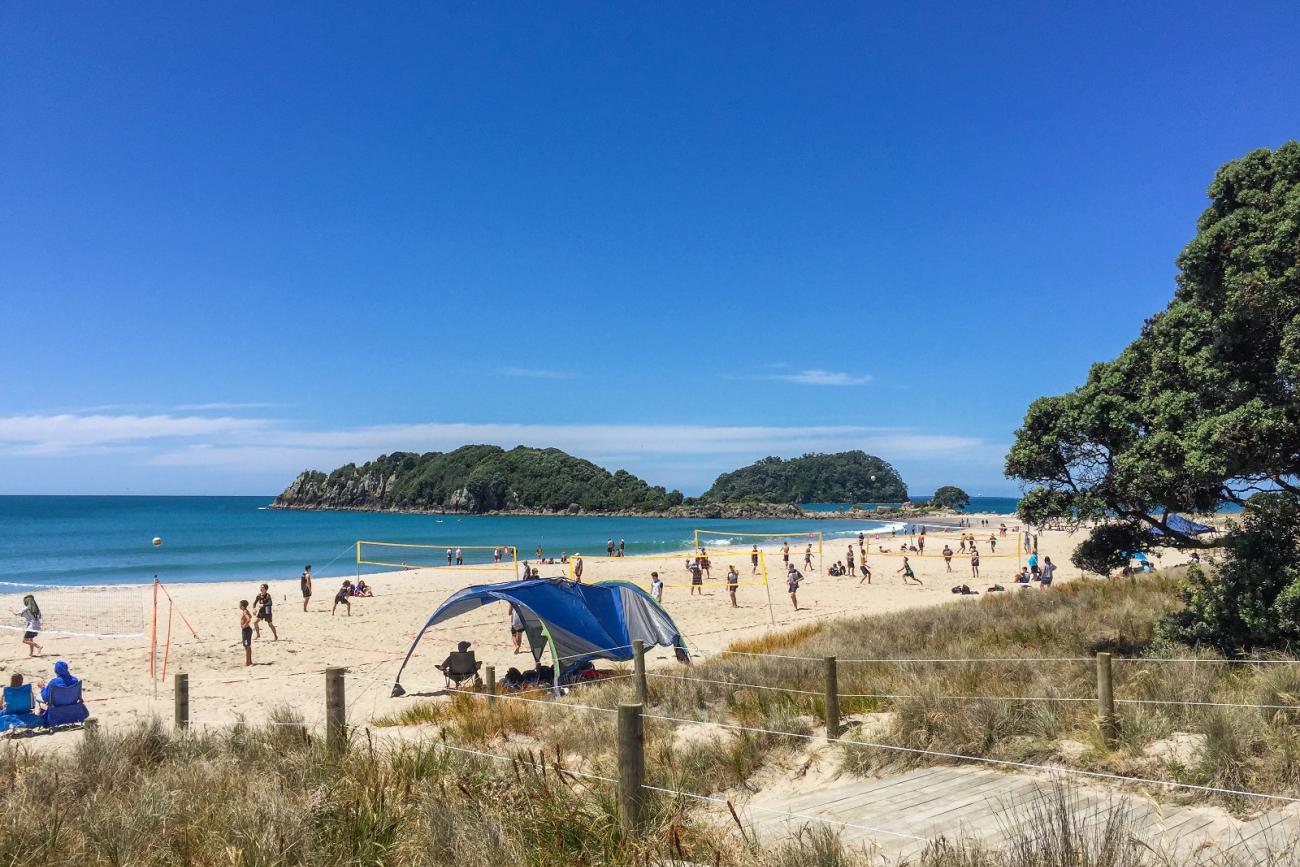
<point x="1179" y="524"/>
<point x="576" y="622"/>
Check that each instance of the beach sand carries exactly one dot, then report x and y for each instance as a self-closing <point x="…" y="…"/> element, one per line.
<point x="372" y="641"/>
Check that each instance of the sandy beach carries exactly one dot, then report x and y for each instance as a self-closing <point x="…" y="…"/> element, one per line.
<point x="373" y="639"/>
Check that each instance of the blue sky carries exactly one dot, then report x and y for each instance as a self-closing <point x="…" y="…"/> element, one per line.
<point x="239" y="240"/>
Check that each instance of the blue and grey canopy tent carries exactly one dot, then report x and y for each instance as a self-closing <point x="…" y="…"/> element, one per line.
<point x="1179" y="524"/>
<point x="576" y="622"/>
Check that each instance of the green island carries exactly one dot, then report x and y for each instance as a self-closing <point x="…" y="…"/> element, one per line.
<point x="479" y="479"/>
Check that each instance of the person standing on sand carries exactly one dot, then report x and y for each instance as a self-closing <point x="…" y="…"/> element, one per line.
<point x="449" y="556"/>
<point x="852" y="569"/>
<point x="807" y="558"/>
<point x="31" y="613"/>
<point x="733" y="579"/>
<point x="862" y="540"/>
<point x="656" y="587"/>
<point x="697" y="576"/>
<point x="1049" y="568"/>
<point x="974" y="563"/>
<point x="539" y="553"/>
<point x="263" y="604"/>
<point x="577" y="568"/>
<point x="792" y="579"/>
<point x="460" y="557"/>
<point x="305" y="583"/>
<point x="609" y="547"/>
<point x="993" y="543"/>
<point x="246" y="631"/>
<point x="622" y="547"/>
<point x="866" y="572"/>
<point x="785" y="553"/>
<point x="704" y="564"/>
<point x="906" y="571"/>
<point x="753" y="560"/>
<point x="516" y="627"/>
<point x="496" y="555"/>
<point x="947" y="557"/>
<point x="342" y="596"/>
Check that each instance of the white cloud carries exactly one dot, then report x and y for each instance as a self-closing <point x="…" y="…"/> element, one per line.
<point x="535" y="373"/>
<point x="275" y="451"/>
<point x="59" y="434"/>
<point x="823" y="377"/>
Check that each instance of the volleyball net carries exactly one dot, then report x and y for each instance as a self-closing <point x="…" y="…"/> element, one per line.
<point x="801" y="545"/>
<point x="675" y="568"/>
<point x="405" y="555"/>
<point x="108" y="611"/>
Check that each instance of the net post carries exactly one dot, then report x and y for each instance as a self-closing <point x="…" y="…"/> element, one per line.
<point x="767" y="587"/>
<point x="1106" y="720"/>
<point x="638" y="668"/>
<point x="336" y="736"/>
<point x="167" y="648"/>
<point x="153" y="633"/>
<point x="490" y="683"/>
<point x="181" y="684"/>
<point x="631" y="769"/>
<point x="832" y="700"/>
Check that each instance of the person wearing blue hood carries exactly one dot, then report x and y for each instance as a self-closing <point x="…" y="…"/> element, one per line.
<point x="62" y="677"/>
<point x="62" y="697"/>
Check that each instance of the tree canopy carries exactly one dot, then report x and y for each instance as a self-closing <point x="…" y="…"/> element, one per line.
<point x="1202" y="408"/>
<point x="950" y="497"/>
<point x="844" y="477"/>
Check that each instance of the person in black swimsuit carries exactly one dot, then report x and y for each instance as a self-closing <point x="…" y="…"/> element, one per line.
<point x="263" y="604"/>
<point x="305" y="583"/>
<point x="246" y="631"/>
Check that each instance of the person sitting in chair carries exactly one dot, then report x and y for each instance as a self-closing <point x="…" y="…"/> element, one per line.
<point x="460" y="665"/>
<point x="18" y="710"/>
<point x="62" y="697"/>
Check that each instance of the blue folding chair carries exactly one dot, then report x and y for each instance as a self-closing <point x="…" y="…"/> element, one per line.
<point x="63" y="705"/>
<point x="19" y="712"/>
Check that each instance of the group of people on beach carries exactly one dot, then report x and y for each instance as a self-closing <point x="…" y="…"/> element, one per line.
<point x="262" y="609"/>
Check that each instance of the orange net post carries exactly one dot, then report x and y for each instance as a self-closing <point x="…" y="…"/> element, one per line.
<point x="170" y="603"/>
<point x="167" y="648"/>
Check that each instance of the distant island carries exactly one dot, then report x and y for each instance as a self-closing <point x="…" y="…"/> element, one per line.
<point x="486" y="479"/>
<point x="844" y="477"/>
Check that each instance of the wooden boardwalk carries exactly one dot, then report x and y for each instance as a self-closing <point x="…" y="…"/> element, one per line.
<point x="894" y="817"/>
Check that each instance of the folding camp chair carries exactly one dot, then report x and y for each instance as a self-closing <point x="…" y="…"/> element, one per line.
<point x="64" y="706"/>
<point x="461" y="666"/>
<point x="19" y="712"/>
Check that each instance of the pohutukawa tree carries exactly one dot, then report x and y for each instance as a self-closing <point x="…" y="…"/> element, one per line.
<point x="950" y="497"/>
<point x="1202" y="408"/>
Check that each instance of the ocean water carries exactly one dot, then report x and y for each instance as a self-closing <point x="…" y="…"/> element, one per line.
<point x="107" y="540"/>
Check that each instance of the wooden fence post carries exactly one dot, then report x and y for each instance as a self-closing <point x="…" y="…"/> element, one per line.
<point x="631" y="768"/>
<point x="832" y="700"/>
<point x="638" y="667"/>
<point x="490" y="682"/>
<point x="1106" y="701"/>
<point x="336" y="709"/>
<point x="181" y="683"/>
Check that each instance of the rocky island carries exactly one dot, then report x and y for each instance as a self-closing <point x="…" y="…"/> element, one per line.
<point x="488" y="480"/>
